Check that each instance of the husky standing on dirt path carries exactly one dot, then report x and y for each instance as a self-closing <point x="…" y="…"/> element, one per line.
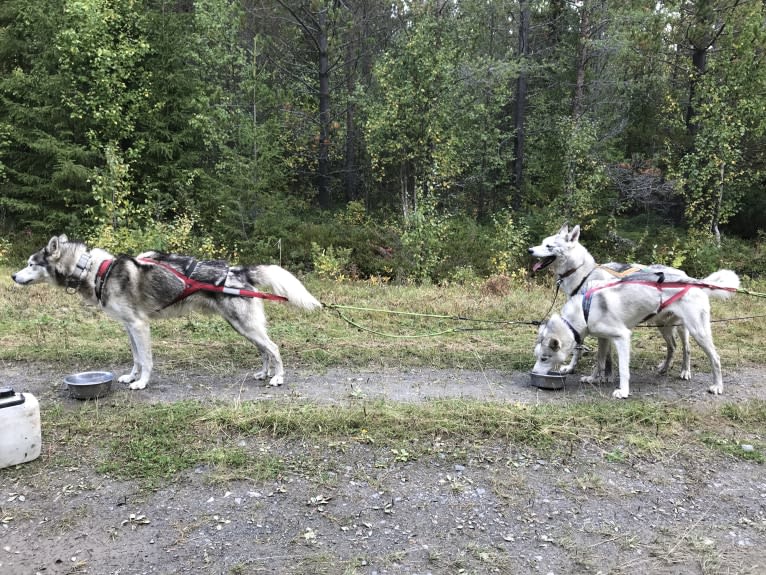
<point x="574" y="265"/>
<point x="611" y="308"/>
<point x="155" y="285"/>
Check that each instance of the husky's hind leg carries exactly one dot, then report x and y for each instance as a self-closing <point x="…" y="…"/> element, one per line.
<point x="668" y="332"/>
<point x="699" y="328"/>
<point x="252" y="325"/>
<point x="602" y="371"/>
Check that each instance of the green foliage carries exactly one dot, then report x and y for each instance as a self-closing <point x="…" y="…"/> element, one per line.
<point x="698" y="253"/>
<point x="181" y="235"/>
<point x="101" y="47"/>
<point x="331" y="263"/>
<point x="44" y="160"/>
<point x="718" y="168"/>
<point x="694" y="252"/>
<point x="586" y="189"/>
<point x="507" y="244"/>
<point x="139" y="124"/>
<point x="433" y="247"/>
<point x="423" y="241"/>
<point x="121" y="226"/>
<point x="5" y="250"/>
<point x="431" y="117"/>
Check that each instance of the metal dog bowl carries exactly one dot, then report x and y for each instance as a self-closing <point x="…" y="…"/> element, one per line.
<point x="89" y="384"/>
<point x="550" y="380"/>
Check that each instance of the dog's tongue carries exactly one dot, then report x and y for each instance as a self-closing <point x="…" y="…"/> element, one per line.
<point x="543" y="263"/>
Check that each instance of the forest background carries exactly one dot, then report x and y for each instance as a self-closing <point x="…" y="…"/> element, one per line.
<point x="413" y="141"/>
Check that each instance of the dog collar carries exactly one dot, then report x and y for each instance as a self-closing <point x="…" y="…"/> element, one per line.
<point x="74" y="281"/>
<point x="568" y="273"/>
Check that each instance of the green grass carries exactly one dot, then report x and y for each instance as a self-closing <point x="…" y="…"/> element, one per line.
<point x="155" y="443"/>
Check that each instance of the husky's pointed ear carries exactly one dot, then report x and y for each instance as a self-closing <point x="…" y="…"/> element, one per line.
<point x="53" y="247"/>
<point x="564" y="230"/>
<point x="63" y="238"/>
<point x="554" y="344"/>
<point x="574" y="235"/>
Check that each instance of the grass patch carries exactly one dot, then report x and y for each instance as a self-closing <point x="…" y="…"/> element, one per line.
<point x="745" y="451"/>
<point x="157" y="442"/>
<point x="752" y="412"/>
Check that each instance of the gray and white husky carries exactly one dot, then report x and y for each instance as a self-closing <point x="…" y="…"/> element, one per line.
<point x="574" y="265"/>
<point x="135" y="290"/>
<point x="611" y="308"/>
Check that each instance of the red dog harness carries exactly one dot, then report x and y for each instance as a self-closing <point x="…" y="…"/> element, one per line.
<point x="190" y="285"/>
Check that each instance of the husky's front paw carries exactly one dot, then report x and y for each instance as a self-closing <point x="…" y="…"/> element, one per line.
<point x="686" y="374"/>
<point x="716" y="389"/>
<point x="277" y="380"/>
<point x="138" y="384"/>
<point x="620" y="393"/>
<point x="127" y="378"/>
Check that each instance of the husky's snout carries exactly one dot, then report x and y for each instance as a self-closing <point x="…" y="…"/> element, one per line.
<point x="19" y="280"/>
<point x="24" y="277"/>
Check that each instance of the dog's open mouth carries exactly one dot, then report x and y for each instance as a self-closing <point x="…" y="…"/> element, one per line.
<point x="543" y="263"/>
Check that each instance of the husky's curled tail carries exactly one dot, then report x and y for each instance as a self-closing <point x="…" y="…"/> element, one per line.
<point x="283" y="283"/>
<point x="726" y="281"/>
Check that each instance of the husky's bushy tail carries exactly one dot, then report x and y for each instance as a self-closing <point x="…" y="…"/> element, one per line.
<point x="727" y="280"/>
<point x="283" y="283"/>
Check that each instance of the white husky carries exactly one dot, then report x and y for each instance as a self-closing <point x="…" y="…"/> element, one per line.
<point x="611" y="309"/>
<point x="574" y="265"/>
<point x="155" y="285"/>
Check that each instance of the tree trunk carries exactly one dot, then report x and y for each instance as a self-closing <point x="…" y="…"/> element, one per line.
<point x="404" y="179"/>
<point x="323" y="171"/>
<point x="699" y="63"/>
<point x="519" y="111"/>
<point x="717" y="210"/>
<point x="350" y="180"/>
<point x="582" y="61"/>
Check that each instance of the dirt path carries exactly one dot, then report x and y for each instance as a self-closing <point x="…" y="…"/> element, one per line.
<point x="358" y="510"/>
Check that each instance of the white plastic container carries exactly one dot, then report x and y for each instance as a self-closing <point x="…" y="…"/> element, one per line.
<point x="20" y="435"/>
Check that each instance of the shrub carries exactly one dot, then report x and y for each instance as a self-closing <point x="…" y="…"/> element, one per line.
<point x="331" y="263"/>
<point x="5" y="251"/>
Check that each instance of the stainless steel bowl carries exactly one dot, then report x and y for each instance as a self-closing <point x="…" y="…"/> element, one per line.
<point x="89" y="384"/>
<point x="550" y="380"/>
